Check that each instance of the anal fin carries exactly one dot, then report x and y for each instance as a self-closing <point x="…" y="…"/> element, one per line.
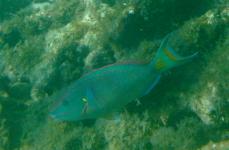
<point x="92" y="102"/>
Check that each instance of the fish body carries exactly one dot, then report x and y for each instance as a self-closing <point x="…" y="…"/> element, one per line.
<point x="110" y="88"/>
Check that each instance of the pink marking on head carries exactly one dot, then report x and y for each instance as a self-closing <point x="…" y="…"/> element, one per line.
<point x="58" y="101"/>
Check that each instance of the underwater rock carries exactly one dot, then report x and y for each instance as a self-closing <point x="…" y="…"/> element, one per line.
<point x="4" y="83"/>
<point x="10" y="7"/>
<point x="11" y="38"/>
<point x="208" y="93"/>
<point x="20" y="90"/>
<point x="4" y="135"/>
<point x="176" y="138"/>
<point x="223" y="145"/>
<point x="92" y="22"/>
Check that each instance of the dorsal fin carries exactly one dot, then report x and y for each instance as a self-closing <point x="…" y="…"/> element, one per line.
<point x="116" y="63"/>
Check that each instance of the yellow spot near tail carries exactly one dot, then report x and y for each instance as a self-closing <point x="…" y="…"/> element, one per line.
<point x="169" y="54"/>
<point x="160" y="64"/>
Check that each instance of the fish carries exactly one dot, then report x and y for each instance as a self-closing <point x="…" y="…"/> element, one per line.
<point x="108" y="89"/>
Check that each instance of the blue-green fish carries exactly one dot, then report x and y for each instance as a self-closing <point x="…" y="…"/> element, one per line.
<point x="110" y="88"/>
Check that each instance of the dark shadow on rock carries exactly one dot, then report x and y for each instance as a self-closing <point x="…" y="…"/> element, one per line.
<point x="10" y="7"/>
<point x="14" y="113"/>
<point x="12" y="38"/>
<point x="153" y="19"/>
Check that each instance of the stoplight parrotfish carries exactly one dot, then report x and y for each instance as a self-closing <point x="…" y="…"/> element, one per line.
<point x="110" y="88"/>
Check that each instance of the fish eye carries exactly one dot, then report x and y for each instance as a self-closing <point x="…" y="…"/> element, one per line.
<point x="65" y="102"/>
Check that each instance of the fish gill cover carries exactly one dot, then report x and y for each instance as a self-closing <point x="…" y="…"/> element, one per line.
<point x="46" y="45"/>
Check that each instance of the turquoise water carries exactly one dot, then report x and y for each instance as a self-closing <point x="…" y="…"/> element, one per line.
<point x="47" y="45"/>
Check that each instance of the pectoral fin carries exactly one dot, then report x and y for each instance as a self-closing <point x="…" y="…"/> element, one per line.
<point x="152" y="85"/>
<point x="91" y="100"/>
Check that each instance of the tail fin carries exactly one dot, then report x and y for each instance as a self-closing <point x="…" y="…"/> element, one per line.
<point x="167" y="58"/>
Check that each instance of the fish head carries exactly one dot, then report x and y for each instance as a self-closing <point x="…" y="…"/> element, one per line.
<point x="70" y="107"/>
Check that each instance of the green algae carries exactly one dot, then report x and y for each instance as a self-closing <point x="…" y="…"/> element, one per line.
<point x="47" y="45"/>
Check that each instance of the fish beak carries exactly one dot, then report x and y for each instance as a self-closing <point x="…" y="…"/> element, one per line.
<point x="52" y="115"/>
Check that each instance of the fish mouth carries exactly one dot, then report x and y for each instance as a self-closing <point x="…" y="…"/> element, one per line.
<point x="61" y="116"/>
<point x="58" y="116"/>
<point x="54" y="116"/>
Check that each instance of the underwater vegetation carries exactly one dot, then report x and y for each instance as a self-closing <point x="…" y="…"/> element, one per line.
<point x="45" y="45"/>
